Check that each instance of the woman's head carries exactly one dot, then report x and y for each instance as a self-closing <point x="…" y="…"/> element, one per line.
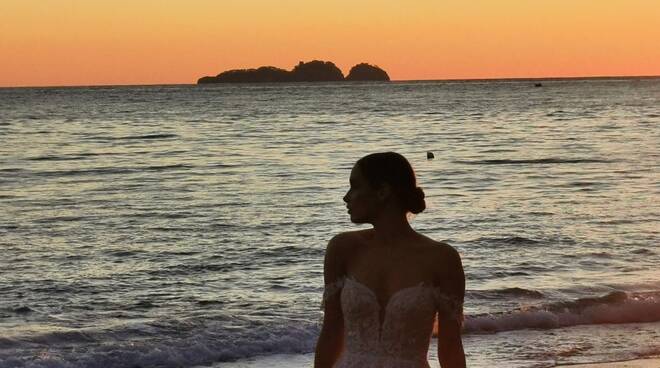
<point x="383" y="179"/>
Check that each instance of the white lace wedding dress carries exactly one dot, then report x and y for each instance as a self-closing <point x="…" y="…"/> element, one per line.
<point x="396" y="337"/>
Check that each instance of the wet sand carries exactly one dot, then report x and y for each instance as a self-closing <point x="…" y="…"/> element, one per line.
<point x="289" y="361"/>
<point x="639" y="363"/>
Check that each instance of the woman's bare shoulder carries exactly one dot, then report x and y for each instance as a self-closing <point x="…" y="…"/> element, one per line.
<point x="441" y="252"/>
<point x="345" y="241"/>
<point x="447" y="268"/>
<point x="340" y="249"/>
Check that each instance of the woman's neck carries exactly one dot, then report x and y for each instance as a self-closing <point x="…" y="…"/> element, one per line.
<point x="390" y="230"/>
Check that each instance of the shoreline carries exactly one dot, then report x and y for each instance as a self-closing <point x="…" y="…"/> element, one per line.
<point x="634" y="363"/>
<point x="304" y="360"/>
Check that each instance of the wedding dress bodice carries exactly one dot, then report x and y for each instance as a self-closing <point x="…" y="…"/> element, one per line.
<point x="394" y="335"/>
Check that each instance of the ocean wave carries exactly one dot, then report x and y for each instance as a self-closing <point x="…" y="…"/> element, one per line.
<point x="644" y="251"/>
<point x="122" y="253"/>
<point x="139" y="137"/>
<point x="23" y="310"/>
<point x="177" y="343"/>
<point x="11" y="169"/>
<point x="55" y="158"/>
<point x="506" y="292"/>
<point x="604" y="255"/>
<point x="204" y="345"/>
<point x="541" y="161"/>
<point x="60" y="219"/>
<point x="514" y="239"/>
<point x="613" y="308"/>
<point x="194" y="269"/>
<point x="111" y="170"/>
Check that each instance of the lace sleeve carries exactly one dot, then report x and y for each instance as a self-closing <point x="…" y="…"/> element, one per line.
<point x="448" y="306"/>
<point x="331" y="290"/>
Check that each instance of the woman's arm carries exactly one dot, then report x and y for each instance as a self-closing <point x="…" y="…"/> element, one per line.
<point x="450" y="346"/>
<point x="331" y="339"/>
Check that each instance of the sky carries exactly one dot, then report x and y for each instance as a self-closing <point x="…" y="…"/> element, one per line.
<point x="101" y="42"/>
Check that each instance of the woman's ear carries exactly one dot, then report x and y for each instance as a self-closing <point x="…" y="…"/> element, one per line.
<point x="384" y="192"/>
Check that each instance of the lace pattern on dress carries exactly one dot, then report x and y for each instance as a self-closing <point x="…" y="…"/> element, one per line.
<point x="448" y="305"/>
<point x="331" y="290"/>
<point x="391" y="335"/>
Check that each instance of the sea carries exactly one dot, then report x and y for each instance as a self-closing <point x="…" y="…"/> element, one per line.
<point x="185" y="226"/>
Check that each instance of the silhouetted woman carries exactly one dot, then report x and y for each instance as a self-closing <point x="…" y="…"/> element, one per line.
<point x="385" y="286"/>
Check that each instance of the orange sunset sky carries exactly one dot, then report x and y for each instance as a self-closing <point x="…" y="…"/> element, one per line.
<point x="90" y="42"/>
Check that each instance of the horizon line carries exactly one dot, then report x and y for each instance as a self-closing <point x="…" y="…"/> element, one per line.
<point x="503" y="79"/>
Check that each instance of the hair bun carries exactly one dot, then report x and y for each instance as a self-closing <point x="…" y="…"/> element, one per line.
<point x="394" y="170"/>
<point x="416" y="202"/>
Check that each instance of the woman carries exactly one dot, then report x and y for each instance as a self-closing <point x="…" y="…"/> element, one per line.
<point x="384" y="286"/>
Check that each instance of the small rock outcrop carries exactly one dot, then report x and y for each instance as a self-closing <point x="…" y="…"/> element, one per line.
<point x="317" y="71"/>
<point x="313" y="71"/>
<point x="265" y="74"/>
<point x="367" y="72"/>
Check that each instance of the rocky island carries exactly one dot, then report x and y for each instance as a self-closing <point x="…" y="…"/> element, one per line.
<point x="367" y="72"/>
<point x="313" y="71"/>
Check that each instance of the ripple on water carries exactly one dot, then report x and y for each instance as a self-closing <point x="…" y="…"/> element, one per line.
<point x="174" y="212"/>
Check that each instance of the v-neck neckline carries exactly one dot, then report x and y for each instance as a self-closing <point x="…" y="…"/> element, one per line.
<point x="382" y="309"/>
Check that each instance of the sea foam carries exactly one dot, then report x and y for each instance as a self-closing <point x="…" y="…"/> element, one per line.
<point x="616" y="307"/>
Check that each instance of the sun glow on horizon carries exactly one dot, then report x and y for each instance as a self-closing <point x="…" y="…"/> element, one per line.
<point x="52" y="42"/>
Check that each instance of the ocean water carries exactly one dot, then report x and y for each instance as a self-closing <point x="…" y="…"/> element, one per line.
<point x="185" y="226"/>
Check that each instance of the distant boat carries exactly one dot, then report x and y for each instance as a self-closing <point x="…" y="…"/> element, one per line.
<point x="538" y="84"/>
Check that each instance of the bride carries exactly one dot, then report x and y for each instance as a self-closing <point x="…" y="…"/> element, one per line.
<point x="385" y="286"/>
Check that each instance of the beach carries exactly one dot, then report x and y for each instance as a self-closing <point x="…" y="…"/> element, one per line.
<point x="640" y="363"/>
<point x="306" y="361"/>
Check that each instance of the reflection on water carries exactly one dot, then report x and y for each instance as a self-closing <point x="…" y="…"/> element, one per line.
<point x="196" y="217"/>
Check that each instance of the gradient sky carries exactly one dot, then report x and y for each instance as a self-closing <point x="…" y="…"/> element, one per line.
<point x="90" y="42"/>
